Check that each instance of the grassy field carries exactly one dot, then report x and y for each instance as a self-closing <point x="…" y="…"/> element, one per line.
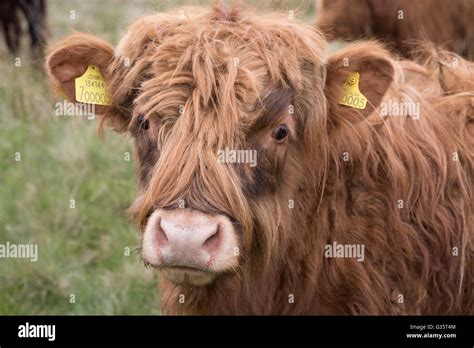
<point x="46" y="161"/>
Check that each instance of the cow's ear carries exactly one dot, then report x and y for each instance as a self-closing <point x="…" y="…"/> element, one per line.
<point x="358" y="77"/>
<point x="70" y="58"/>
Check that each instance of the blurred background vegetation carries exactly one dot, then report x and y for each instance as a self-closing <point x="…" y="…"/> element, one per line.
<point x="82" y="250"/>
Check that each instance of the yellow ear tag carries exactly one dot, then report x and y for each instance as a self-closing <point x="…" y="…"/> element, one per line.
<point x="351" y="96"/>
<point x="90" y="87"/>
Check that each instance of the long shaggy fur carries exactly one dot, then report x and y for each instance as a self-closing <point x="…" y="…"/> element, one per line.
<point x="428" y="164"/>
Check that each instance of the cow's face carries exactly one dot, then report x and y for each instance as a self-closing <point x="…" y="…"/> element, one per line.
<point x="201" y="167"/>
<point x="213" y="117"/>
<point x="225" y="114"/>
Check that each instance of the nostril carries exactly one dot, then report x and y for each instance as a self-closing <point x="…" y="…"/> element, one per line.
<point x="161" y="236"/>
<point x="212" y="243"/>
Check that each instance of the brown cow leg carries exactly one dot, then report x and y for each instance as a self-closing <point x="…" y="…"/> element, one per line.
<point x="35" y="13"/>
<point x="12" y="31"/>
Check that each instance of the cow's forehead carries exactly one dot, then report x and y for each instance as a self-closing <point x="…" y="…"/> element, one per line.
<point x="278" y="41"/>
<point x="224" y="66"/>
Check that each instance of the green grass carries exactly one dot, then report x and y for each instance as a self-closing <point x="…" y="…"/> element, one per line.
<point x="81" y="249"/>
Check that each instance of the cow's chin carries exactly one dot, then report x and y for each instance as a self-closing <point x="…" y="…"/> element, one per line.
<point x="188" y="276"/>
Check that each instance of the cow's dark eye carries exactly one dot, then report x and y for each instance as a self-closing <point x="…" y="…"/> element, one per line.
<point x="142" y="122"/>
<point x="280" y="133"/>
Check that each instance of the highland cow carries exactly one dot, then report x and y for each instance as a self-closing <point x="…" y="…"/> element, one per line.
<point x="347" y="211"/>
<point x="401" y="23"/>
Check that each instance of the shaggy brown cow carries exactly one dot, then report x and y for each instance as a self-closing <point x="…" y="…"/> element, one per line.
<point x="347" y="210"/>
<point x="400" y="23"/>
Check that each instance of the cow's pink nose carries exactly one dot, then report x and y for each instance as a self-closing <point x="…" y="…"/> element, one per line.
<point x="185" y="238"/>
<point x="178" y="237"/>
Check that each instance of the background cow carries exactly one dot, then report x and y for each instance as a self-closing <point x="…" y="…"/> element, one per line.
<point x="401" y="23"/>
<point x="235" y="239"/>
<point x="34" y="11"/>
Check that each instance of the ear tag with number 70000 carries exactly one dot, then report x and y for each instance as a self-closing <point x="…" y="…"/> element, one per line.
<point x="90" y="87"/>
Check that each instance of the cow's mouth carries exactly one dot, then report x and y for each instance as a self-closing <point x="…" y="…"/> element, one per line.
<point x="187" y="275"/>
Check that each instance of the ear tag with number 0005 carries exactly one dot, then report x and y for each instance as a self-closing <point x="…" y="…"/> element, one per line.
<point x="90" y="87"/>
<point x="351" y="95"/>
